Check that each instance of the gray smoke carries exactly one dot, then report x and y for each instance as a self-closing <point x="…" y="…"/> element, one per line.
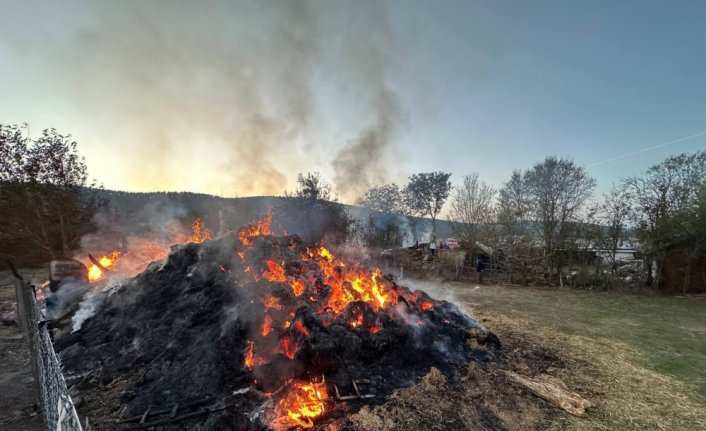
<point x="58" y="303"/>
<point x="223" y="97"/>
<point x="437" y="289"/>
<point x="442" y="291"/>
<point x="138" y="235"/>
<point x="363" y="164"/>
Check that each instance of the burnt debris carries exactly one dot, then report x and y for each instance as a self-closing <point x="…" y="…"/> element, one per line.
<point x="250" y="319"/>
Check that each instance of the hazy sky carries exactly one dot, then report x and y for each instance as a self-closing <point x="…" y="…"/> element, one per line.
<point x="236" y="98"/>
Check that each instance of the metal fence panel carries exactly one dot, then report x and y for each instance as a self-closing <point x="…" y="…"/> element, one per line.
<point x="59" y="410"/>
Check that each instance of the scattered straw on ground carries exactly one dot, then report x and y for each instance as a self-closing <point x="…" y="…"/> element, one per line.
<point x="624" y="396"/>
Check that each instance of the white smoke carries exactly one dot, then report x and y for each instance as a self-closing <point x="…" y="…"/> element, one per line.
<point x="437" y="289"/>
<point x="93" y="300"/>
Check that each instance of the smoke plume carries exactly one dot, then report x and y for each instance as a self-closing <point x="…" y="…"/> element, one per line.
<point x="228" y="98"/>
<point x="362" y="163"/>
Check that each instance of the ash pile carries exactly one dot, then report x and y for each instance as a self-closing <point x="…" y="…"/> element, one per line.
<point x="252" y="331"/>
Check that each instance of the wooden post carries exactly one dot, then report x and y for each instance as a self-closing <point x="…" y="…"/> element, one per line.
<point x="27" y="316"/>
<point x="22" y="307"/>
<point x="33" y="319"/>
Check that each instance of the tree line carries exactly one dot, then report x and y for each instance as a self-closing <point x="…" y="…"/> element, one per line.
<point x="547" y="218"/>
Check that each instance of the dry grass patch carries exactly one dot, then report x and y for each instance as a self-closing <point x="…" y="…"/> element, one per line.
<point x="625" y="396"/>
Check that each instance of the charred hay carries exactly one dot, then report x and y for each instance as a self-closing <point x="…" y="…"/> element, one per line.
<point x="194" y="325"/>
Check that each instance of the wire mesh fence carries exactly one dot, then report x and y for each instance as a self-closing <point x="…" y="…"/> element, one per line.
<point x="59" y="410"/>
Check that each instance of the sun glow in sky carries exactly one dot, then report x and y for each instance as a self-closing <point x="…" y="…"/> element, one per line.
<point x="236" y="98"/>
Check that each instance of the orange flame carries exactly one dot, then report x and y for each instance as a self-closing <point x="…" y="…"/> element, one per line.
<point x="272" y="302"/>
<point x="200" y="233"/>
<point x="358" y="322"/>
<point x="107" y="261"/>
<point x="249" y="355"/>
<point x="297" y="286"/>
<point x="300" y="326"/>
<point x="426" y="306"/>
<point x="260" y="227"/>
<point x="344" y="284"/>
<point x="275" y="272"/>
<point x="266" y="325"/>
<point x="351" y="284"/>
<point x="288" y="347"/>
<point x="304" y="402"/>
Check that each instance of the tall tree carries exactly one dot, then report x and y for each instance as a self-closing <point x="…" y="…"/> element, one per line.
<point x="426" y="193"/>
<point x="666" y="189"/>
<point x="384" y="224"/>
<point x="43" y="197"/>
<point x="515" y="237"/>
<point x="688" y="234"/>
<point x="472" y="208"/>
<point x="312" y="186"/>
<point x="558" y="189"/>
<point x="386" y="198"/>
<point x="514" y="205"/>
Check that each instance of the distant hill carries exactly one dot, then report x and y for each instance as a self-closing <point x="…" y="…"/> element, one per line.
<point x="141" y="211"/>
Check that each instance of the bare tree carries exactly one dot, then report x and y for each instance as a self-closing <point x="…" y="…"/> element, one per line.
<point x="558" y="189"/>
<point x="613" y="215"/>
<point x="472" y="209"/>
<point x="426" y="193"/>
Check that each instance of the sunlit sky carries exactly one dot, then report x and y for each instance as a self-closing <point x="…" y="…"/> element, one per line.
<point x="236" y="98"/>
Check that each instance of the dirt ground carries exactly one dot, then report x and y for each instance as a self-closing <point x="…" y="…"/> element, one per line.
<point x="18" y="402"/>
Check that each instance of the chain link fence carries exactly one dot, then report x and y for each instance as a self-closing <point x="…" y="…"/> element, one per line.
<point x="59" y="411"/>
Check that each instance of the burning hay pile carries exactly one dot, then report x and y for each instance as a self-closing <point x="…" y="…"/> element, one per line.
<point x="266" y="333"/>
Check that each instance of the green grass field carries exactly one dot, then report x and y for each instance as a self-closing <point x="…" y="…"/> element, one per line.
<point x="664" y="334"/>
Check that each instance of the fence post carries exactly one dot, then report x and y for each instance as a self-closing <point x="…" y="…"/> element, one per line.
<point x="32" y="320"/>
<point x="22" y="307"/>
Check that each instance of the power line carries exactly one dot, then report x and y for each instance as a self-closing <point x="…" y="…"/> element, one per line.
<point x="644" y="150"/>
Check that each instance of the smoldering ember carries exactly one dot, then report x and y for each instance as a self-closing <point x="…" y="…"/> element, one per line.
<point x="253" y="331"/>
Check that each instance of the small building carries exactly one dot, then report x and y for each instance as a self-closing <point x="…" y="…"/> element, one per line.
<point x="681" y="276"/>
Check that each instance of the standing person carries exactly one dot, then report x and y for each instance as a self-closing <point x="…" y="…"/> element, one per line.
<point x="432" y="249"/>
<point x="480" y="267"/>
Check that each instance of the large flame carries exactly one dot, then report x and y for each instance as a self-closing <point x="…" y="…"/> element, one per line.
<point x="281" y="329"/>
<point x="142" y="251"/>
<point x="108" y="261"/>
<point x="351" y="284"/>
<point x="260" y="227"/>
<point x="304" y="402"/>
<point x="200" y="233"/>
